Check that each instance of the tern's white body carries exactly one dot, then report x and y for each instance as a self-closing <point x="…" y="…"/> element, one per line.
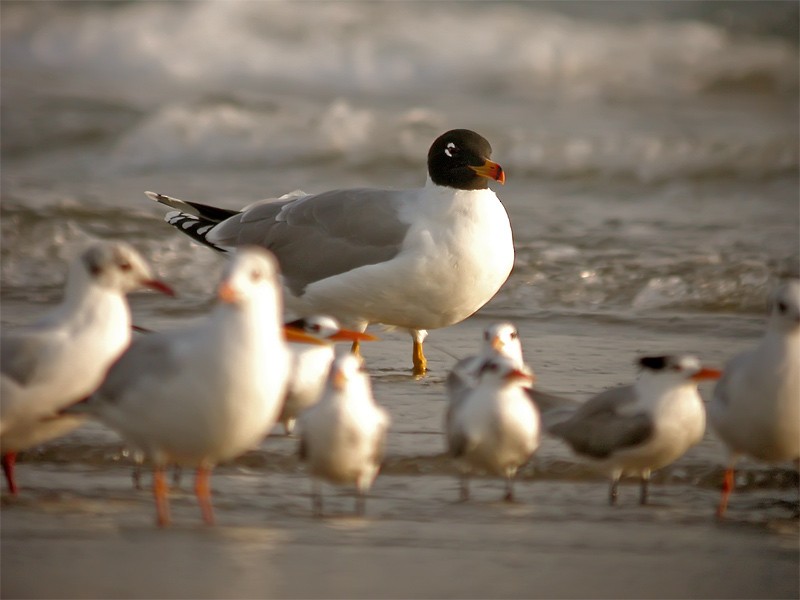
<point x="342" y="436"/>
<point x="642" y="427"/>
<point x="495" y="427"/>
<point x="309" y="369"/>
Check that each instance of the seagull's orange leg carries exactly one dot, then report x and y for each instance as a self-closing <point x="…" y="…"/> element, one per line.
<point x="161" y="491"/>
<point x="727" y="488"/>
<point x="9" y="458"/>
<point x="202" y="489"/>
<point x="420" y="362"/>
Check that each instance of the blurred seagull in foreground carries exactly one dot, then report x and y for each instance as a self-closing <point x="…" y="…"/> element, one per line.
<point x="755" y="409"/>
<point x="342" y="437"/>
<point x="416" y="259"/>
<point x="494" y="426"/>
<point x="204" y="394"/>
<point x="310" y="364"/>
<point x="641" y="427"/>
<point x="62" y="358"/>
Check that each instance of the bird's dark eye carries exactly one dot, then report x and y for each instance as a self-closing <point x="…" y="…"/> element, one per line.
<point x="514" y="335"/>
<point x="782" y="307"/>
<point x="315" y="327"/>
<point x="451" y="150"/>
<point x="255" y="275"/>
<point x="126" y="266"/>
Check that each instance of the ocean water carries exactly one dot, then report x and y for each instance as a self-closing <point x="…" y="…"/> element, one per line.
<point x="651" y="152"/>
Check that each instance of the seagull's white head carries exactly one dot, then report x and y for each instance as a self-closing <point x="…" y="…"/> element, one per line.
<point x="119" y="266"/>
<point x="502" y="339"/>
<point x="785" y="307"/>
<point x="251" y="276"/>
<point x="347" y="370"/>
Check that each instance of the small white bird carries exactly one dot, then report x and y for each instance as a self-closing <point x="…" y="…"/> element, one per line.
<point x="755" y="409"/>
<point x="495" y="426"/>
<point x="62" y="358"/>
<point x="499" y="339"/>
<point x="310" y="364"/>
<point x="342" y="436"/>
<point x="641" y="427"/>
<point x="207" y="393"/>
<point x="416" y="259"/>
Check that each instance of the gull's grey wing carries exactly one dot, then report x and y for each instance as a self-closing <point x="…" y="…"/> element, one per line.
<point x="733" y="371"/>
<point x="600" y="426"/>
<point x="148" y="356"/>
<point x="318" y="236"/>
<point x="21" y="354"/>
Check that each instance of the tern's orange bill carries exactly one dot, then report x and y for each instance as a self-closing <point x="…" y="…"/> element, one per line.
<point x="348" y="335"/>
<point x="520" y="374"/>
<point x="293" y="334"/>
<point x="706" y="373"/>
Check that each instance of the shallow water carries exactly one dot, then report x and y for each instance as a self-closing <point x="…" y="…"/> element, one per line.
<point x="651" y="151"/>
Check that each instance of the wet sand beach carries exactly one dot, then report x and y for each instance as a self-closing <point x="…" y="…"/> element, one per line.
<point x="79" y="529"/>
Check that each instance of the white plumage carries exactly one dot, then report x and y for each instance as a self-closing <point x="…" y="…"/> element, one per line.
<point x="755" y="409"/>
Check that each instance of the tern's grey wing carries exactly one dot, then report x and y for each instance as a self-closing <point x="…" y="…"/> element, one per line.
<point x="318" y="236"/>
<point x="552" y="407"/>
<point x="462" y="378"/>
<point x="456" y="442"/>
<point x="600" y="426"/>
<point x="21" y="353"/>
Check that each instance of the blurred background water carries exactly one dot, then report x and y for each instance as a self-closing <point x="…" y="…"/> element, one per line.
<point x="651" y="152"/>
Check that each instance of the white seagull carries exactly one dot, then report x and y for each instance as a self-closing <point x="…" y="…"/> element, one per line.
<point x="415" y="259"/>
<point x="204" y="394"/>
<point x="499" y="339"/>
<point x="62" y="357"/>
<point x="310" y="364"/>
<point x="495" y="426"/>
<point x="641" y="427"/>
<point x="755" y="408"/>
<point x="342" y="436"/>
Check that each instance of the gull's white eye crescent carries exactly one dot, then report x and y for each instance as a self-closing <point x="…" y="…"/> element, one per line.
<point x="450" y="149"/>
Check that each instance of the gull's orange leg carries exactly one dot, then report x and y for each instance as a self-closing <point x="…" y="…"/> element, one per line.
<point x="9" y="458"/>
<point x="161" y="491"/>
<point x="727" y="488"/>
<point x="419" y="360"/>
<point x="202" y="489"/>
